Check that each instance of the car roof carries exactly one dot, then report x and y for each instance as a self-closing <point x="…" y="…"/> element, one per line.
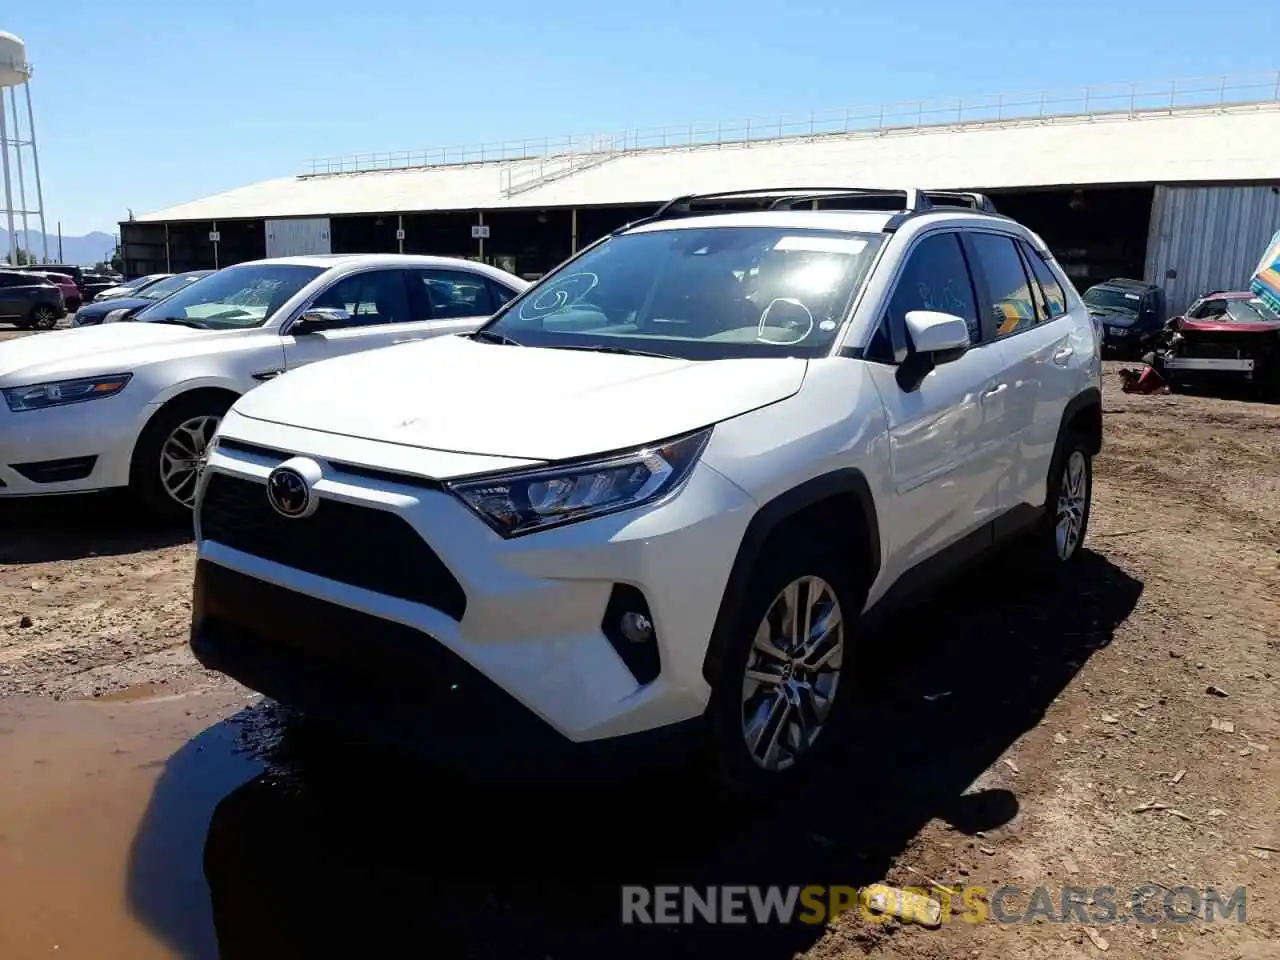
<point x="1124" y="283"/>
<point x="331" y="261"/>
<point x="844" y="221"/>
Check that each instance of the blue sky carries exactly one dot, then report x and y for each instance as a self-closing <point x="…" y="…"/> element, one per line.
<point x="141" y="104"/>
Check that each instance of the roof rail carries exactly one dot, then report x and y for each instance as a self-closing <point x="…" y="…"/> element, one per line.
<point x="786" y="198"/>
<point x="903" y="202"/>
<point x="961" y="198"/>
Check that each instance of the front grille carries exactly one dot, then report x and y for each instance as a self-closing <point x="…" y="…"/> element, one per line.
<point x="1211" y="349"/>
<point x="361" y="546"/>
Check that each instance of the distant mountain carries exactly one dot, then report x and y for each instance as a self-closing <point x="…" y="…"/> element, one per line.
<point x="82" y="251"/>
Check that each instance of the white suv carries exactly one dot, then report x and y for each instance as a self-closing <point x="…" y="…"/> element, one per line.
<point x="134" y="404"/>
<point x="657" y="493"/>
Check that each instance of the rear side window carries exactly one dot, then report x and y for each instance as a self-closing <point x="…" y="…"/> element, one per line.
<point x="500" y="294"/>
<point x="1012" y="308"/>
<point x="1054" y="300"/>
<point x="455" y="293"/>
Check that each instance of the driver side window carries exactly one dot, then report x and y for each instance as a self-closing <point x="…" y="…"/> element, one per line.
<point x="936" y="277"/>
<point x="376" y="297"/>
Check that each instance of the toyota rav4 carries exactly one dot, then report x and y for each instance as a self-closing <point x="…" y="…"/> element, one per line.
<point x="661" y="491"/>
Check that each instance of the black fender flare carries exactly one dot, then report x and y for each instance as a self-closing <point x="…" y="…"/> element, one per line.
<point x="1085" y="399"/>
<point x="766" y="520"/>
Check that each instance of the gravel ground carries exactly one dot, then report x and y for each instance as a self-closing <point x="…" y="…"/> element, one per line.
<point x="1119" y="728"/>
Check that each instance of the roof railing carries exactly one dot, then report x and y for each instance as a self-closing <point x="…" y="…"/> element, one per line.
<point x="1096" y="101"/>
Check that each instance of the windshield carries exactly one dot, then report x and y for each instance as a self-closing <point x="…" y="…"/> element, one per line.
<point x="1235" y="311"/>
<point x="139" y="282"/>
<point x="240" y="296"/>
<point x="698" y="293"/>
<point x="162" y="288"/>
<point x="1104" y="299"/>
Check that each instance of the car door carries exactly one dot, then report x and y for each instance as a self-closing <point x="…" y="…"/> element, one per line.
<point x="381" y="312"/>
<point x="9" y="301"/>
<point x="1034" y="333"/>
<point x="946" y="432"/>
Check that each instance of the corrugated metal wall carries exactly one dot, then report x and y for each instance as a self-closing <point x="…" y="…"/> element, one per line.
<point x="295" y="238"/>
<point x="1212" y="236"/>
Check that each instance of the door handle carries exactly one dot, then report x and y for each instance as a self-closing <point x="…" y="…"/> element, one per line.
<point x="994" y="391"/>
<point x="406" y="340"/>
<point x="1062" y="356"/>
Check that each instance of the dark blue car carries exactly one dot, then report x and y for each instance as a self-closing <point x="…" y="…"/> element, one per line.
<point x="122" y="308"/>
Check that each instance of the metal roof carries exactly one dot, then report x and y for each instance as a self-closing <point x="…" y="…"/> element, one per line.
<point x="1206" y="145"/>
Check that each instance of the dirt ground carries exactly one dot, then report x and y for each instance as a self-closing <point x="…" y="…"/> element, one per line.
<point x="1117" y="729"/>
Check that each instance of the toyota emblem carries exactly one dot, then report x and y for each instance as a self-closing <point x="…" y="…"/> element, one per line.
<point x="288" y="492"/>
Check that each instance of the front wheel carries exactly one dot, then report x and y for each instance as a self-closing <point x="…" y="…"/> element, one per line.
<point x="170" y="454"/>
<point x="785" y="678"/>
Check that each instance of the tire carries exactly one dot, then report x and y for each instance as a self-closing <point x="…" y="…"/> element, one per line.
<point x="171" y="433"/>
<point x="43" y="317"/>
<point x="739" y="706"/>
<point x="1059" y="537"/>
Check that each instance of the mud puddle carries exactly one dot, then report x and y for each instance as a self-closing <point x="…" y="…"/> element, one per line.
<point x="104" y="807"/>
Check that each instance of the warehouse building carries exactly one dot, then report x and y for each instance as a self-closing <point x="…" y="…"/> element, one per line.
<point x="1179" y="184"/>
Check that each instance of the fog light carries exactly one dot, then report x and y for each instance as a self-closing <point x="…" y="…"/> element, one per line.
<point x="628" y="626"/>
<point x="636" y="627"/>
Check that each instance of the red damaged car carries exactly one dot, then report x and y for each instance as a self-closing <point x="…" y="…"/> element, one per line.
<point x="1223" y="337"/>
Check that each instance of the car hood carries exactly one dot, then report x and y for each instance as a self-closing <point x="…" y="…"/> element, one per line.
<point x="456" y="394"/>
<point x="1218" y="326"/>
<point x="102" y="308"/>
<point x="1116" y="318"/>
<point x="83" y="351"/>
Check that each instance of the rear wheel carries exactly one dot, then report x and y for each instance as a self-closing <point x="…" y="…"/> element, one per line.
<point x="43" y="317"/>
<point x="170" y="454"/>
<point x="1068" y="501"/>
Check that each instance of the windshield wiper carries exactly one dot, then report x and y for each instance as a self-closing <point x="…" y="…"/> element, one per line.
<point x="602" y="348"/>
<point x="180" y="322"/>
<point x="488" y="336"/>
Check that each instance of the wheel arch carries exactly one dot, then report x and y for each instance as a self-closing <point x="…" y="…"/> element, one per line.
<point x="1083" y="415"/>
<point x="841" y="498"/>
<point x="186" y="394"/>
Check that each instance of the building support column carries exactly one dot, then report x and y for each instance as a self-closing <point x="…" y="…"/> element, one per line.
<point x="168" y="255"/>
<point x="573" y="236"/>
<point x="480" y="221"/>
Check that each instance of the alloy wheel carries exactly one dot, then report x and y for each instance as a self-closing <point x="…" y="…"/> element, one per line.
<point x="183" y="455"/>
<point x="46" y="318"/>
<point x="793" y="670"/>
<point x="1073" y="497"/>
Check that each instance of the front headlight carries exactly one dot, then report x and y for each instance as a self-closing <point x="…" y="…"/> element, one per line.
<point x="523" y="501"/>
<point x="115" y="316"/>
<point x="38" y="396"/>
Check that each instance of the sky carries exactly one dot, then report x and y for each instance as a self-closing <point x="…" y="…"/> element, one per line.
<point x="142" y="104"/>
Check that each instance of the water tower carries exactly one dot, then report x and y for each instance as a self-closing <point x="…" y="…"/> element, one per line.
<point x="15" y="146"/>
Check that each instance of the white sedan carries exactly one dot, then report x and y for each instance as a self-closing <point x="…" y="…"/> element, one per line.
<point x="134" y="404"/>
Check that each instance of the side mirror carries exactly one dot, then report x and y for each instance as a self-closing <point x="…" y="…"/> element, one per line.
<point x="316" y="319"/>
<point x="942" y="336"/>
<point x="935" y="338"/>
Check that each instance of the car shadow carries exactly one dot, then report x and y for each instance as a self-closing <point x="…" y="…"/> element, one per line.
<point x="348" y="848"/>
<point x="50" y="529"/>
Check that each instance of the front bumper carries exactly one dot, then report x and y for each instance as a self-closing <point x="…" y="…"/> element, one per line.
<point x="391" y="684"/>
<point x="531" y="626"/>
<point x="44" y="451"/>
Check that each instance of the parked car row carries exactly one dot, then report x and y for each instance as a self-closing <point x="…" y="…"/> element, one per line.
<point x="494" y="529"/>
<point x="88" y="284"/>
<point x="121" y="306"/>
<point x="30" y="300"/>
